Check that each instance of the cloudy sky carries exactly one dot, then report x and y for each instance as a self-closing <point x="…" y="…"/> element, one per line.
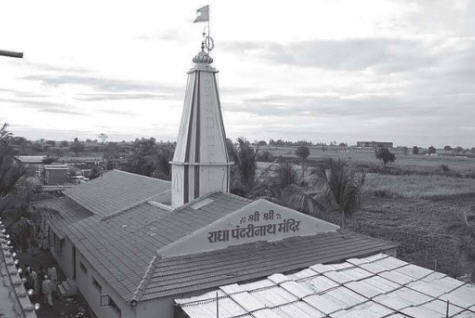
<point x="401" y="71"/>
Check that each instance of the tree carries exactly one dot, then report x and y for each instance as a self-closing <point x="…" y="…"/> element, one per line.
<point x="243" y="172"/>
<point x="343" y="186"/>
<point x="302" y="152"/>
<point x="265" y="156"/>
<point x="10" y="169"/>
<point x="103" y="137"/>
<point x="95" y="172"/>
<point x="147" y="157"/>
<point x="405" y="150"/>
<point x="447" y="148"/>
<point x="431" y="150"/>
<point x="415" y="150"/>
<point x="76" y="146"/>
<point x="385" y="155"/>
<point x="64" y="143"/>
<point x="262" y="143"/>
<point x="285" y="175"/>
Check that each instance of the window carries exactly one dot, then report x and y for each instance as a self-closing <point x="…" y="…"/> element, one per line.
<point x="82" y="267"/>
<point x="74" y="262"/>
<point x="61" y="243"/>
<point x="114" y="307"/>
<point x="96" y="284"/>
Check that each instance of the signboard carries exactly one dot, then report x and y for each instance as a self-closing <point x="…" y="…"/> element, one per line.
<point x="256" y="224"/>
<point x="260" y="220"/>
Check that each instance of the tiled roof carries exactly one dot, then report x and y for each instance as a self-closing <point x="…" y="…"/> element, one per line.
<point x="116" y="191"/>
<point x="118" y="222"/>
<point x="122" y="246"/>
<point x="190" y="273"/>
<point x="376" y="286"/>
<point x="62" y="212"/>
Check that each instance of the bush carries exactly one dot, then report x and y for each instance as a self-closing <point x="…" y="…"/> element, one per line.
<point x="444" y="168"/>
<point x="385" y="155"/>
<point x="265" y="156"/>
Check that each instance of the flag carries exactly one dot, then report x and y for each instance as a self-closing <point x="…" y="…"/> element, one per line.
<point x="203" y="14"/>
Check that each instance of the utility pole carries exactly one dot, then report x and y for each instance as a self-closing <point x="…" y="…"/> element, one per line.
<point x="18" y="55"/>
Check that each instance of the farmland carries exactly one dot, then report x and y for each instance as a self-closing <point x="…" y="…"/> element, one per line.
<point x="414" y="202"/>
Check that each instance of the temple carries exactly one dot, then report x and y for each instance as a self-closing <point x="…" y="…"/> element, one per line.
<point x="201" y="163"/>
<point x="132" y="244"/>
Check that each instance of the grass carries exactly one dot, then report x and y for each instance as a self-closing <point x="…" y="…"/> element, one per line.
<point x="418" y="186"/>
<point x="418" y="202"/>
<point x="410" y="163"/>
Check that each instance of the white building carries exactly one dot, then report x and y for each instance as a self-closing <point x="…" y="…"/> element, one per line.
<point x="133" y="244"/>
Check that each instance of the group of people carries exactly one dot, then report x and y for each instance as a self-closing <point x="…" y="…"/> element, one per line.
<point x="43" y="282"/>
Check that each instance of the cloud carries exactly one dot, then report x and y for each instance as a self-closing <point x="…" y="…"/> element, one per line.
<point x="383" y="54"/>
<point x="356" y="107"/>
<point x="171" y="34"/>
<point x="124" y="96"/>
<point x="102" y="84"/>
<point x="54" y="68"/>
<point x="43" y="106"/>
<point x="117" y="112"/>
<point x="21" y="93"/>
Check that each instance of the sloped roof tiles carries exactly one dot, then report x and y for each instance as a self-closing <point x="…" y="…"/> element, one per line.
<point x="115" y="191"/>
<point x="118" y="222"/>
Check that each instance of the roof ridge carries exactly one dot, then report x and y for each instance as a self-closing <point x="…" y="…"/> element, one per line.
<point x="72" y="198"/>
<point x="141" y="175"/>
<point x="207" y="195"/>
<point x="145" y="279"/>
<point x="107" y="217"/>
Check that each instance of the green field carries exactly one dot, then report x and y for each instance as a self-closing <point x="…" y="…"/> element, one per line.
<point x="412" y="202"/>
<point x="409" y="162"/>
<point x="419" y="186"/>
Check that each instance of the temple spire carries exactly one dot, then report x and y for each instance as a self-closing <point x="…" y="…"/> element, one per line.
<point x="201" y="163"/>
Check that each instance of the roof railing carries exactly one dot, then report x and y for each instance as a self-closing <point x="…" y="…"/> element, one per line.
<point x="10" y="274"/>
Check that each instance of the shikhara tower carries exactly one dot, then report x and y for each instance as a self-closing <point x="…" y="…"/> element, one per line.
<point x="201" y="163"/>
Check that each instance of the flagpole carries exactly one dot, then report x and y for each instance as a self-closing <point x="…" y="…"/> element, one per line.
<point x="209" y="18"/>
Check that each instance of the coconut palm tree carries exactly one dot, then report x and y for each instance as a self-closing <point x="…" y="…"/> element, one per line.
<point x="243" y="173"/>
<point x="342" y="185"/>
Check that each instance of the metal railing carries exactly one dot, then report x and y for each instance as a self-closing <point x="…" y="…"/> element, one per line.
<point x="10" y="274"/>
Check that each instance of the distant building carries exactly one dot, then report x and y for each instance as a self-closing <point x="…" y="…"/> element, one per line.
<point x="56" y="174"/>
<point x="374" y="144"/>
<point x="32" y="164"/>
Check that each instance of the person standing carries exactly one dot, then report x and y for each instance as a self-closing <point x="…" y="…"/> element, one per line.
<point x="41" y="275"/>
<point x="35" y="282"/>
<point x="53" y="275"/>
<point x="48" y="291"/>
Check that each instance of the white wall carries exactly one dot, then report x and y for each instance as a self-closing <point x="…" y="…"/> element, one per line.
<point x="92" y="294"/>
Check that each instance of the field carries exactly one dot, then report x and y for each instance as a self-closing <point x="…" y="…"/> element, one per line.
<point x="413" y="202"/>
<point x="419" y="186"/>
<point x="409" y="163"/>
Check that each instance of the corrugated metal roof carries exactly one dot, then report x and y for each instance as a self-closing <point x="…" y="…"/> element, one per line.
<point x="115" y="191"/>
<point x="301" y="294"/>
<point x="30" y="159"/>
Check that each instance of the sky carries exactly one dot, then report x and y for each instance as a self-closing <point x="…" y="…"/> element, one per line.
<point x="400" y="70"/>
